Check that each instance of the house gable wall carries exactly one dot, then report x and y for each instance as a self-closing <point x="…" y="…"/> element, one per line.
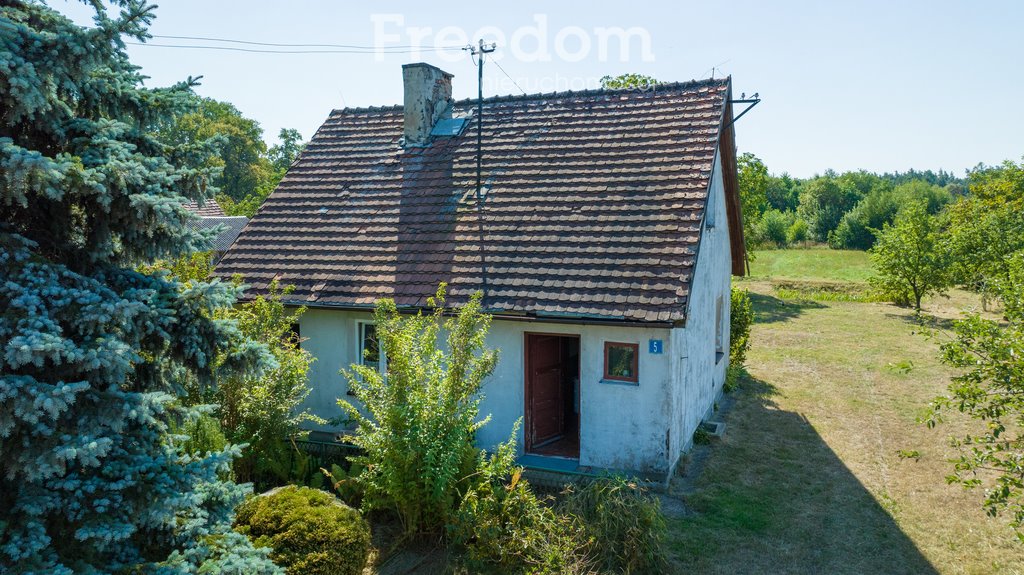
<point x="698" y="375"/>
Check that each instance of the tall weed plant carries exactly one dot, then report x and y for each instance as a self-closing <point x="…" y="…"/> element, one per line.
<point x="416" y="419"/>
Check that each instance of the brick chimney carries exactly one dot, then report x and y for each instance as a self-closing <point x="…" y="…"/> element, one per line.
<point x="428" y="98"/>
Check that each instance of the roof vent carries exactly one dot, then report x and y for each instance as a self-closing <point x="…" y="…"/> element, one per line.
<point x="428" y="98"/>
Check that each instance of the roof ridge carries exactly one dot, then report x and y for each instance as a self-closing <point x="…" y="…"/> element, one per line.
<point x="544" y="95"/>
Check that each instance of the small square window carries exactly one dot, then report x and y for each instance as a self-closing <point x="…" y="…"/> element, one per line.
<point x="620" y="361"/>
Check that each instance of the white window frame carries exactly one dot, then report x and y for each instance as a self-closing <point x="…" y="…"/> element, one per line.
<point x="360" y="358"/>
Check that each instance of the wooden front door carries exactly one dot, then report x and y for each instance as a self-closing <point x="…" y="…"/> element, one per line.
<point x="544" y="379"/>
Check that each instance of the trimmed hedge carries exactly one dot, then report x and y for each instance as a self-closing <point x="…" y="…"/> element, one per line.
<point x="310" y="531"/>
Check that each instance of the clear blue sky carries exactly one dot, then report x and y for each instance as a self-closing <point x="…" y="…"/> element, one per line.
<point x="845" y="85"/>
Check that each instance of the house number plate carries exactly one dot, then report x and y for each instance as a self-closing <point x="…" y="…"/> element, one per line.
<point x="655" y="346"/>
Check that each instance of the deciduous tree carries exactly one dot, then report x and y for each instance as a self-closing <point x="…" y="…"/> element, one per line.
<point x="987" y="227"/>
<point x="753" y="182"/>
<point x="282" y="155"/>
<point x="909" y="258"/>
<point x="241" y="153"/>
<point x="635" y="81"/>
<point x="823" y="202"/>
<point x="248" y="170"/>
<point x="990" y="388"/>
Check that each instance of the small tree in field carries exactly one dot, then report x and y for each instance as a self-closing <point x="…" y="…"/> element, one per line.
<point x="909" y="258"/>
<point x="991" y="388"/>
<point x="422" y="414"/>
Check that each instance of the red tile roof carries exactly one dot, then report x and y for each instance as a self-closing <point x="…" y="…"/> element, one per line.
<point x="591" y="207"/>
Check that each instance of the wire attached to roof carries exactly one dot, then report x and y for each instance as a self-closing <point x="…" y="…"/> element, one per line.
<point x="509" y="77"/>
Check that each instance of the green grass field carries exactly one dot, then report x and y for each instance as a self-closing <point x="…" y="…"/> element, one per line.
<point x="808" y="478"/>
<point x="814" y="264"/>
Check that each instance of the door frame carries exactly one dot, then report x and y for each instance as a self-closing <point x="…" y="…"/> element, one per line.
<point x="527" y="435"/>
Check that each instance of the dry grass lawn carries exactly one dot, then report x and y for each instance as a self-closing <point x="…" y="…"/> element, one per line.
<point x="808" y="478"/>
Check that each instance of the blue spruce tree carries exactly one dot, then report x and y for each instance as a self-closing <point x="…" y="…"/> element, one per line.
<point x="93" y="354"/>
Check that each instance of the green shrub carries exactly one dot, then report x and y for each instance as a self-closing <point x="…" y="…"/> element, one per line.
<point x="204" y="436"/>
<point x="292" y="466"/>
<point x="797" y="232"/>
<point x="733" y="376"/>
<point x="255" y="408"/>
<point x="345" y="482"/>
<point x="501" y="526"/>
<point x="858" y="228"/>
<point x="773" y="227"/>
<point x="310" y="531"/>
<point x="419" y="422"/>
<point x="262" y="410"/>
<point x="621" y="523"/>
<point x="741" y="316"/>
<point x="701" y="436"/>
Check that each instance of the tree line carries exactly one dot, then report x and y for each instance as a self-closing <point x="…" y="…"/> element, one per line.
<point x="245" y="170"/>
<point x="844" y="210"/>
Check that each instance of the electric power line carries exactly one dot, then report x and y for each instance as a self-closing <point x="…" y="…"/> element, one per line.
<point x="259" y="51"/>
<point x="509" y="77"/>
<point x="288" y="45"/>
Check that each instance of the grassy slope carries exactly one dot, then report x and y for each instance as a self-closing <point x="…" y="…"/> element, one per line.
<point x="812" y="264"/>
<point x="807" y="479"/>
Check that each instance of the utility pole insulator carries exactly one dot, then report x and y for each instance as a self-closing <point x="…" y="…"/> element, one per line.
<point x="479" y="50"/>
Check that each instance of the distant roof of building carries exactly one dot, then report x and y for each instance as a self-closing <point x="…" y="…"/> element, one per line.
<point x="209" y="209"/>
<point x="233" y="227"/>
<point x="591" y="206"/>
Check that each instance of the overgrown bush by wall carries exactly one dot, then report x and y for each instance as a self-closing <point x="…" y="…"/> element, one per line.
<point x="605" y="525"/>
<point x="416" y="426"/>
<point x="310" y="531"/>
<point x="621" y="523"/>
<point x="502" y="526"/>
<point x="741" y="316"/>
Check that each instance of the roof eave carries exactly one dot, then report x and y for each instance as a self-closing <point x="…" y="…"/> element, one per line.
<point x="730" y="179"/>
<point x="506" y="316"/>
